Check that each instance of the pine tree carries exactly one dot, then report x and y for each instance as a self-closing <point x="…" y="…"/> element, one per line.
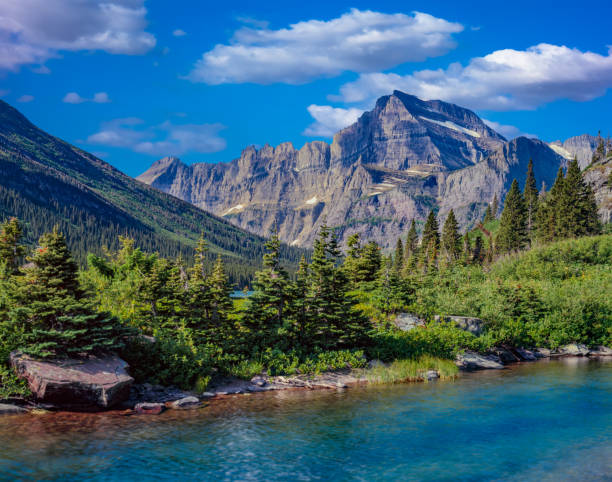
<point x="390" y="294"/>
<point x="371" y="261"/>
<point x="512" y="234"/>
<point x="430" y="241"/>
<point x="451" y="240"/>
<point x="58" y="316"/>
<point x="495" y="206"/>
<point x="398" y="257"/>
<point x="267" y="306"/>
<point x="302" y="329"/>
<point x="576" y="208"/>
<point x="531" y="196"/>
<point x="199" y="300"/>
<point x="488" y="217"/>
<point x="478" y="254"/>
<point x="412" y="241"/>
<point x="353" y="258"/>
<point x="547" y="215"/>
<point x="11" y="251"/>
<point x="220" y="301"/>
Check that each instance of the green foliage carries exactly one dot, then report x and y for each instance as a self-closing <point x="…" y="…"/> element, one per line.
<point x="530" y="194"/>
<point x="11" y="386"/>
<point x="512" y="234"/>
<point x="451" y="240"/>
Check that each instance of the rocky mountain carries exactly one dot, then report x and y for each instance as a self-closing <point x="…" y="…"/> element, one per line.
<point x="394" y="164"/>
<point x="45" y="181"/>
<point x="581" y="147"/>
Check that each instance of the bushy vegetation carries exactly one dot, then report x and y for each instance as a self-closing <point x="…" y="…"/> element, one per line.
<point x="528" y="275"/>
<point x="411" y="370"/>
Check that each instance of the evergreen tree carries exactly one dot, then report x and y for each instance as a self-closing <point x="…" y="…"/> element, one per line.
<point x="531" y="196"/>
<point x="267" y="306"/>
<point x="430" y="241"/>
<point x="547" y="215"/>
<point x="412" y="241"/>
<point x="353" y="258"/>
<point x="58" y="316"/>
<point x="495" y="206"/>
<point x="576" y="206"/>
<point x="371" y="262"/>
<point x="512" y="234"/>
<point x="199" y="299"/>
<point x="479" y="252"/>
<point x="398" y="257"/>
<point x="391" y="294"/>
<point x="221" y="303"/>
<point x="451" y="240"/>
<point x="488" y="217"/>
<point x="302" y="327"/>
<point x="11" y="249"/>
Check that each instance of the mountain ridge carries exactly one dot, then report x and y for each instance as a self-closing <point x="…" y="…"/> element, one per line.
<point x="395" y="163"/>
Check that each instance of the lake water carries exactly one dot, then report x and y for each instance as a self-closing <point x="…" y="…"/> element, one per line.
<point x="540" y="421"/>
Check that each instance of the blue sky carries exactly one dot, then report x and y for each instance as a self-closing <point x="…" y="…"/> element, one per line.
<point x="133" y="81"/>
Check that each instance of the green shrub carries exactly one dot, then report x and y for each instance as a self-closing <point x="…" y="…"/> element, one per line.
<point x="411" y="370"/>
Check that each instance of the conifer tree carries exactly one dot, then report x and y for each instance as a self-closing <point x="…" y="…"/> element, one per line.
<point x="495" y="206"/>
<point x="58" y="316"/>
<point x="268" y="304"/>
<point x="371" y="261"/>
<point x="398" y="257"/>
<point x="531" y="196"/>
<point x="488" y="217"/>
<point x="451" y="240"/>
<point x="353" y="258"/>
<point x="199" y="299"/>
<point x="478" y="253"/>
<point x="412" y="241"/>
<point x="547" y="215"/>
<point x="11" y="249"/>
<point x="512" y="234"/>
<point x="301" y="324"/>
<point x="220" y="301"/>
<point x="390" y="293"/>
<point x="430" y="240"/>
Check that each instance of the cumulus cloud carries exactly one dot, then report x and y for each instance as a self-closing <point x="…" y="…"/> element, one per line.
<point x="75" y="98"/>
<point x="163" y="140"/>
<point x="506" y="130"/>
<point x="25" y="98"/>
<point x="179" y="32"/>
<point x="32" y="31"/>
<point x="329" y="120"/>
<point x="358" y="41"/>
<point x="503" y="80"/>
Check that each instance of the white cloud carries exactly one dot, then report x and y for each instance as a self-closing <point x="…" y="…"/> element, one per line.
<point x="503" y="80"/>
<point x="32" y="31"/>
<point x="508" y="131"/>
<point x="329" y="120"/>
<point x="358" y="41"/>
<point x="73" y="98"/>
<point x="25" y="98"/>
<point x="163" y="140"/>
<point x="179" y="32"/>
<point x="101" y="98"/>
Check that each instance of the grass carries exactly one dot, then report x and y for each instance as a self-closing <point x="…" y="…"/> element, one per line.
<point x="411" y="370"/>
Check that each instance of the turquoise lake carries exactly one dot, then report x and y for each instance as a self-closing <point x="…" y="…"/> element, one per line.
<point x="540" y="421"/>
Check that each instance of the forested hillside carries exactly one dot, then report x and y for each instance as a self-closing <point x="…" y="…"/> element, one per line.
<point x="45" y="181"/>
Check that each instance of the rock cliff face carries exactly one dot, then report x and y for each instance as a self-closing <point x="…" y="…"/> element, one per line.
<point x="394" y="164"/>
<point x="581" y="147"/>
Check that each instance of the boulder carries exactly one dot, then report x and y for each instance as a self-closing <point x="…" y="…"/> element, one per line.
<point x="601" y="351"/>
<point x="147" y="408"/>
<point x="259" y="381"/>
<point x="8" y="409"/>
<point x="432" y="375"/>
<point x="573" y="349"/>
<point x="505" y="355"/>
<point x="84" y="383"/>
<point x="474" y="361"/>
<point x="466" y="323"/>
<point x="541" y="353"/>
<point x="186" y="403"/>
<point x="408" y="321"/>
<point x="525" y="355"/>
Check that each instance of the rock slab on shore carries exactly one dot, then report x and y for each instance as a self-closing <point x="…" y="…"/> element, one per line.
<point x="474" y="361"/>
<point x="88" y="383"/>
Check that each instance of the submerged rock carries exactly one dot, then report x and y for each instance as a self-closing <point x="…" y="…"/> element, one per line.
<point x="87" y="383"/>
<point x="474" y="361"/>
<point x="9" y="409"/>
<point x="147" y="408"/>
<point x="186" y="403"/>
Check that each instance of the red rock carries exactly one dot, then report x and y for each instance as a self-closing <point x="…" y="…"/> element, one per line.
<point x="87" y="383"/>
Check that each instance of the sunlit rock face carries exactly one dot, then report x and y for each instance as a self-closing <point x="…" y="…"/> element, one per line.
<point x="395" y="163"/>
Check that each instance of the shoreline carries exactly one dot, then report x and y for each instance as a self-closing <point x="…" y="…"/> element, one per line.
<point x="153" y="400"/>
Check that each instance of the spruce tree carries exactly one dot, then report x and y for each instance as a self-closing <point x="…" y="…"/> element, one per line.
<point x="221" y="304"/>
<point x="548" y="210"/>
<point x="479" y="252"/>
<point x="302" y="330"/>
<point x="370" y="262"/>
<point x="531" y="196"/>
<point x="199" y="301"/>
<point x="430" y="241"/>
<point x="451" y="240"/>
<point x="488" y="217"/>
<point x="512" y="234"/>
<point x="412" y="241"/>
<point x="58" y="316"/>
<point x="495" y="206"/>
<point x="353" y="258"/>
<point x="398" y="257"/>
<point x="11" y="249"/>
<point x="267" y="306"/>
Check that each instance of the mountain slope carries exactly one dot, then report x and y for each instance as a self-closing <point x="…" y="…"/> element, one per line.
<point x="45" y="181"/>
<point x="395" y="163"/>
